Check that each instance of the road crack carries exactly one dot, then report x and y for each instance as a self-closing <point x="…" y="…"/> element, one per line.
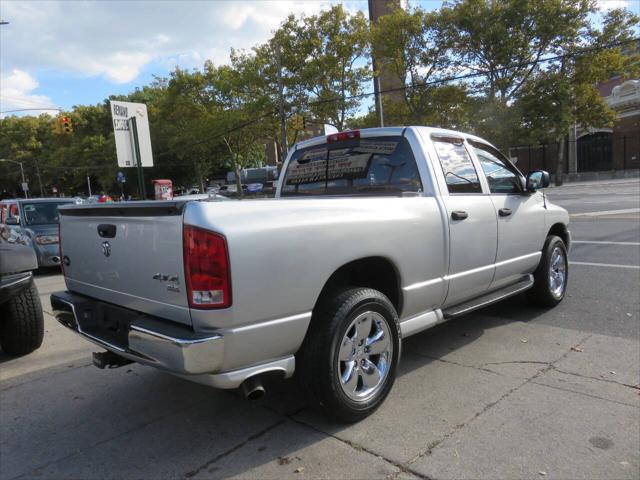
<point x="228" y="452"/>
<point x="402" y="467"/>
<point x="548" y="366"/>
<point x="599" y="379"/>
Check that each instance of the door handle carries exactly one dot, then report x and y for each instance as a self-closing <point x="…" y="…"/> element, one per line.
<point x="504" y="212"/>
<point x="459" y="215"/>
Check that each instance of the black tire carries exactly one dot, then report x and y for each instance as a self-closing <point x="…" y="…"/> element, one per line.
<point x="541" y="294"/>
<point x="22" y="323"/>
<point x="317" y="361"/>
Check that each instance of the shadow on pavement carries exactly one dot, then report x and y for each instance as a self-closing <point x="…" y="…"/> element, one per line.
<point x="140" y="422"/>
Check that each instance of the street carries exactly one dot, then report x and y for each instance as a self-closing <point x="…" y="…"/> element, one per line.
<point x="506" y="392"/>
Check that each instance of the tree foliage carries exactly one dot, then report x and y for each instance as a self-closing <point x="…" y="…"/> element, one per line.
<point x="208" y="121"/>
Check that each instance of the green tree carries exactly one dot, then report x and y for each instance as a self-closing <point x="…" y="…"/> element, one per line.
<point x="504" y="42"/>
<point x="326" y="60"/>
<point x="566" y="94"/>
<point x="413" y="45"/>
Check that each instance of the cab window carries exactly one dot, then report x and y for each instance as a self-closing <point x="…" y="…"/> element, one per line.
<point x="458" y="169"/>
<point x="372" y="166"/>
<point x="501" y="175"/>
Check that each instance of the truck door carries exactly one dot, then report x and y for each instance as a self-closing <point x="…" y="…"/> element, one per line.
<point x="520" y="215"/>
<point x="472" y="222"/>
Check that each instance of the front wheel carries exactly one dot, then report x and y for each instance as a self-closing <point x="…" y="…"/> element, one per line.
<point x="348" y="361"/>
<point x="552" y="274"/>
<point x="22" y="322"/>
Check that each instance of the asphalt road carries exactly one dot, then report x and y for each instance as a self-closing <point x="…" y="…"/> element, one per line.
<point x="507" y="392"/>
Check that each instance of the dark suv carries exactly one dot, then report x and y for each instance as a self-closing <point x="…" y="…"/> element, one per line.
<point x="21" y="319"/>
<point x="36" y="218"/>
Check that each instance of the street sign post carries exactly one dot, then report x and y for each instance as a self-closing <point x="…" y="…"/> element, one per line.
<point x="25" y="187"/>
<point x="135" y="140"/>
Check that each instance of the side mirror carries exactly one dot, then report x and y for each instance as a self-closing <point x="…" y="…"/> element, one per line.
<point x="537" y="179"/>
<point x="12" y="221"/>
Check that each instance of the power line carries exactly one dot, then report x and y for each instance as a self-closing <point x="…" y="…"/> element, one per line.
<point x="416" y="85"/>
<point x="30" y="109"/>
<point x="481" y="73"/>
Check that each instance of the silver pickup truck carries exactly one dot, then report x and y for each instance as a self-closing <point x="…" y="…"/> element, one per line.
<point x="374" y="235"/>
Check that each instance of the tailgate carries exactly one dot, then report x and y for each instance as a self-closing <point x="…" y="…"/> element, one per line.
<point x="128" y="254"/>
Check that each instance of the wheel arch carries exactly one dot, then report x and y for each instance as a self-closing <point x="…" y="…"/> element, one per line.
<point x="561" y="230"/>
<point x="376" y="272"/>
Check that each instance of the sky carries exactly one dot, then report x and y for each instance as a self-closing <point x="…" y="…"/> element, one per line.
<point x="56" y="54"/>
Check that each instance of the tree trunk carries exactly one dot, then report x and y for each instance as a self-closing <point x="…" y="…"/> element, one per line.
<point x="560" y="161"/>
<point x="200" y="179"/>
<point x="236" y="168"/>
<point x="238" y="171"/>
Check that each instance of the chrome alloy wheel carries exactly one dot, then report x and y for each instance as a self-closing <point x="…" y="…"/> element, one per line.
<point x="557" y="272"/>
<point x="365" y="356"/>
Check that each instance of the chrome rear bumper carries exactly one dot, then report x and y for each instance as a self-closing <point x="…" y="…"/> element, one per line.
<point x="142" y="338"/>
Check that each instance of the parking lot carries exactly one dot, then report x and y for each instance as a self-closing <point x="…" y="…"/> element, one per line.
<point x="506" y="392"/>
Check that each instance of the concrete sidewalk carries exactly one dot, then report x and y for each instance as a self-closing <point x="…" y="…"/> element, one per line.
<point x="481" y="397"/>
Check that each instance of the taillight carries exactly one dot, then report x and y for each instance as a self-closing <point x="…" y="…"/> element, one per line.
<point x="341" y="136"/>
<point x="206" y="268"/>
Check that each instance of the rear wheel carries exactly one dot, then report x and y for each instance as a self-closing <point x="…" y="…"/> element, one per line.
<point x="347" y="364"/>
<point x="552" y="274"/>
<point x="22" y="323"/>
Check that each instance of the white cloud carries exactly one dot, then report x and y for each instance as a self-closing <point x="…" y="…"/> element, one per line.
<point x="611" y="4"/>
<point x="116" y="40"/>
<point x="15" y="93"/>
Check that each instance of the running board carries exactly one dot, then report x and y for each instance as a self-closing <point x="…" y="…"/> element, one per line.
<point x="488" y="299"/>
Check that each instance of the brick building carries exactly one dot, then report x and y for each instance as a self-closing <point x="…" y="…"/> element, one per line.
<point x="596" y="149"/>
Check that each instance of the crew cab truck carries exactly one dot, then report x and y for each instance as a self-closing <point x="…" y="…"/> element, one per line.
<point x="373" y="236"/>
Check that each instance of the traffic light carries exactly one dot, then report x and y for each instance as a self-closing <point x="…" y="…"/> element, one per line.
<point x="67" y="126"/>
<point x="64" y="125"/>
<point x="298" y="122"/>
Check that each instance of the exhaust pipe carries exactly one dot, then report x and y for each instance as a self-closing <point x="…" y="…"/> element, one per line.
<point x="55" y="259"/>
<point x="252" y="389"/>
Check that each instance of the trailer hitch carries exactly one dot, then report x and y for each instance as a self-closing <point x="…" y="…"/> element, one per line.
<point x="109" y="359"/>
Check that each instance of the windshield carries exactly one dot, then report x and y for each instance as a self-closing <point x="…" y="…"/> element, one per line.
<point x="41" y="213"/>
<point x="363" y="166"/>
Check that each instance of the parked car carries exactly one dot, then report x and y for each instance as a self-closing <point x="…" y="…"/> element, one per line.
<point x="375" y="235"/>
<point x="210" y="197"/>
<point x="21" y="318"/>
<point x="37" y="218"/>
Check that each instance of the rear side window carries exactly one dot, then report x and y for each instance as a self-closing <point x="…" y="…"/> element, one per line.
<point x="41" y="213"/>
<point x="362" y="166"/>
<point x="458" y="169"/>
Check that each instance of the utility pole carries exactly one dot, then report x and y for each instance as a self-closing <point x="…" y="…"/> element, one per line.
<point x="89" y="184"/>
<point x="283" y="119"/>
<point x="380" y="102"/>
<point x="39" y="178"/>
<point x="26" y="195"/>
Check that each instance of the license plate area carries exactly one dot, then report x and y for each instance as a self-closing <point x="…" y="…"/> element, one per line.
<point x="108" y="323"/>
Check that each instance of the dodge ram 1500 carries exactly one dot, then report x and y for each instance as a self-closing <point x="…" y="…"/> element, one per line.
<point x="374" y="235"/>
